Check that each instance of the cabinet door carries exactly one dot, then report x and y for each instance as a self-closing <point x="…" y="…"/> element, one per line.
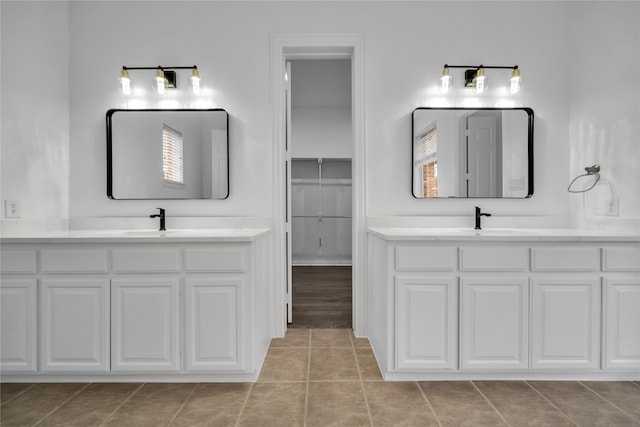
<point x="622" y="323"/>
<point x="74" y="329"/>
<point x="18" y="317"/>
<point x="426" y="323"/>
<point x="145" y="324"/>
<point x="495" y="323"/>
<point x="565" y="323"/>
<point x="213" y="325"/>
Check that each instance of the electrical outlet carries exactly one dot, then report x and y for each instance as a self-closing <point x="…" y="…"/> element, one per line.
<point x="614" y="207"/>
<point x="11" y="209"/>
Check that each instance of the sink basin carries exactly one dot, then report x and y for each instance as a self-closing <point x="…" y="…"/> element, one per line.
<point x="151" y="233"/>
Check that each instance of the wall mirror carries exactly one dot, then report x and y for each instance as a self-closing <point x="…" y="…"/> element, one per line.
<point x="167" y="154"/>
<point x="479" y="152"/>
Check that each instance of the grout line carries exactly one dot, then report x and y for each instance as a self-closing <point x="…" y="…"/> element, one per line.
<point x="490" y="403"/>
<point x="364" y="391"/>
<point x="63" y="403"/>
<point x="244" y="404"/>
<point x="424" y="396"/>
<point x="183" y="403"/>
<point x="20" y="393"/>
<point x="121" y="405"/>
<point x="551" y="403"/>
<point x="609" y="402"/>
<point x="306" y="392"/>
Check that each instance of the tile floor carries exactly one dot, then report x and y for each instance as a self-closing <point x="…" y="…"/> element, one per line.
<point x="323" y="377"/>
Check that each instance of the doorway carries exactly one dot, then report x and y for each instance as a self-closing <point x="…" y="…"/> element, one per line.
<point x="319" y="196"/>
<point x="299" y="46"/>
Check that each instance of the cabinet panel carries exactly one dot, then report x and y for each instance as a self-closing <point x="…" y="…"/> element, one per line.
<point x="18" y="261"/>
<point x="146" y="260"/>
<point x="144" y="324"/>
<point x="495" y="323"/>
<point x="213" y="324"/>
<point x="74" y="261"/>
<point x="565" y="323"/>
<point x="18" y="327"/>
<point x="425" y="258"/>
<point x="621" y="259"/>
<point x="494" y="259"/>
<point x="565" y="259"/>
<point x="74" y="331"/>
<point x="622" y="323"/>
<point x="426" y="323"/>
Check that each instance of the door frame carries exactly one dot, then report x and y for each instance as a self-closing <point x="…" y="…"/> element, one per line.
<point x="285" y="47"/>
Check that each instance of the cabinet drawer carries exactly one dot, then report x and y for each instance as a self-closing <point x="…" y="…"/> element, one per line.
<point x="621" y="259"/>
<point x="493" y="259"/>
<point x="565" y="259"/>
<point x="215" y="259"/>
<point x="74" y="261"/>
<point x="425" y="259"/>
<point x="19" y="261"/>
<point x="146" y="261"/>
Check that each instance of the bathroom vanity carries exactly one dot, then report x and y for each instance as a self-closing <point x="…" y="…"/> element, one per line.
<point x="138" y="305"/>
<point x="504" y="304"/>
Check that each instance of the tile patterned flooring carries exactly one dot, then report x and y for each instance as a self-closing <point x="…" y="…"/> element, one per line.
<point x="323" y="377"/>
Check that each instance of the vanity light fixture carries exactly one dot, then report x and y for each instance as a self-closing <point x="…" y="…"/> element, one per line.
<point x="475" y="77"/>
<point x="165" y="78"/>
<point x="446" y="80"/>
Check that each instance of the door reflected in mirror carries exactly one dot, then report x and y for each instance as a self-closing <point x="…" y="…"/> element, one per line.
<point x="167" y="154"/>
<point x="472" y="153"/>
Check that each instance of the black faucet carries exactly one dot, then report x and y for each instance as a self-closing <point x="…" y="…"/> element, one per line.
<point x="161" y="216"/>
<point x="478" y="215"/>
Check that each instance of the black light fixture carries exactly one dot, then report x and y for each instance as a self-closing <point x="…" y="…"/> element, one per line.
<point x="474" y="77"/>
<point x="165" y="78"/>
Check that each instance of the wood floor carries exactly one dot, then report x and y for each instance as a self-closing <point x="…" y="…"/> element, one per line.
<point x="321" y="297"/>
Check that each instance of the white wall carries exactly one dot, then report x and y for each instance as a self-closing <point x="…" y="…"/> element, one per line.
<point x="321" y="108"/>
<point x="229" y="41"/>
<point x="34" y="107"/>
<point x="605" y="99"/>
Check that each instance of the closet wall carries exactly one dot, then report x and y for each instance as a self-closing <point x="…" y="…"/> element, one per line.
<point x="321" y="146"/>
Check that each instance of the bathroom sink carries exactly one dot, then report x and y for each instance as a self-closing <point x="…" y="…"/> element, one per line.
<point x="151" y="233"/>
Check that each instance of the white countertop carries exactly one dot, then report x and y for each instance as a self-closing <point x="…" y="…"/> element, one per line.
<point x="501" y="234"/>
<point x="192" y="235"/>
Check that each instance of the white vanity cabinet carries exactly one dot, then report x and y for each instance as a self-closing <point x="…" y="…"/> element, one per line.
<point x="152" y="309"/>
<point x="503" y="307"/>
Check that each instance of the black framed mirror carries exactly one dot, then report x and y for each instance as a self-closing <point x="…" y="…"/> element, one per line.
<point x="472" y="153"/>
<point x="167" y="154"/>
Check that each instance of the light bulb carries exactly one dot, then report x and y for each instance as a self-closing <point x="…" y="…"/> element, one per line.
<point x="195" y="82"/>
<point x="125" y="82"/>
<point x="480" y="81"/>
<point x="515" y="81"/>
<point x="446" y="81"/>
<point x="159" y="83"/>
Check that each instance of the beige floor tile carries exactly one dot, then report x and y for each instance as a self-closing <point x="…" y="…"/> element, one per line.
<point x="321" y="338"/>
<point x="625" y="395"/>
<point x="520" y="405"/>
<point x="293" y="338"/>
<point x="275" y="404"/>
<point x="285" y="364"/>
<point x="333" y="364"/>
<point x="213" y="404"/>
<point x="10" y="390"/>
<point x="91" y="406"/>
<point x="458" y="403"/>
<point x="368" y="365"/>
<point x="153" y="405"/>
<point x="34" y="404"/>
<point x="581" y="404"/>
<point x="360" y="342"/>
<point x="336" y="404"/>
<point x="398" y="404"/>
